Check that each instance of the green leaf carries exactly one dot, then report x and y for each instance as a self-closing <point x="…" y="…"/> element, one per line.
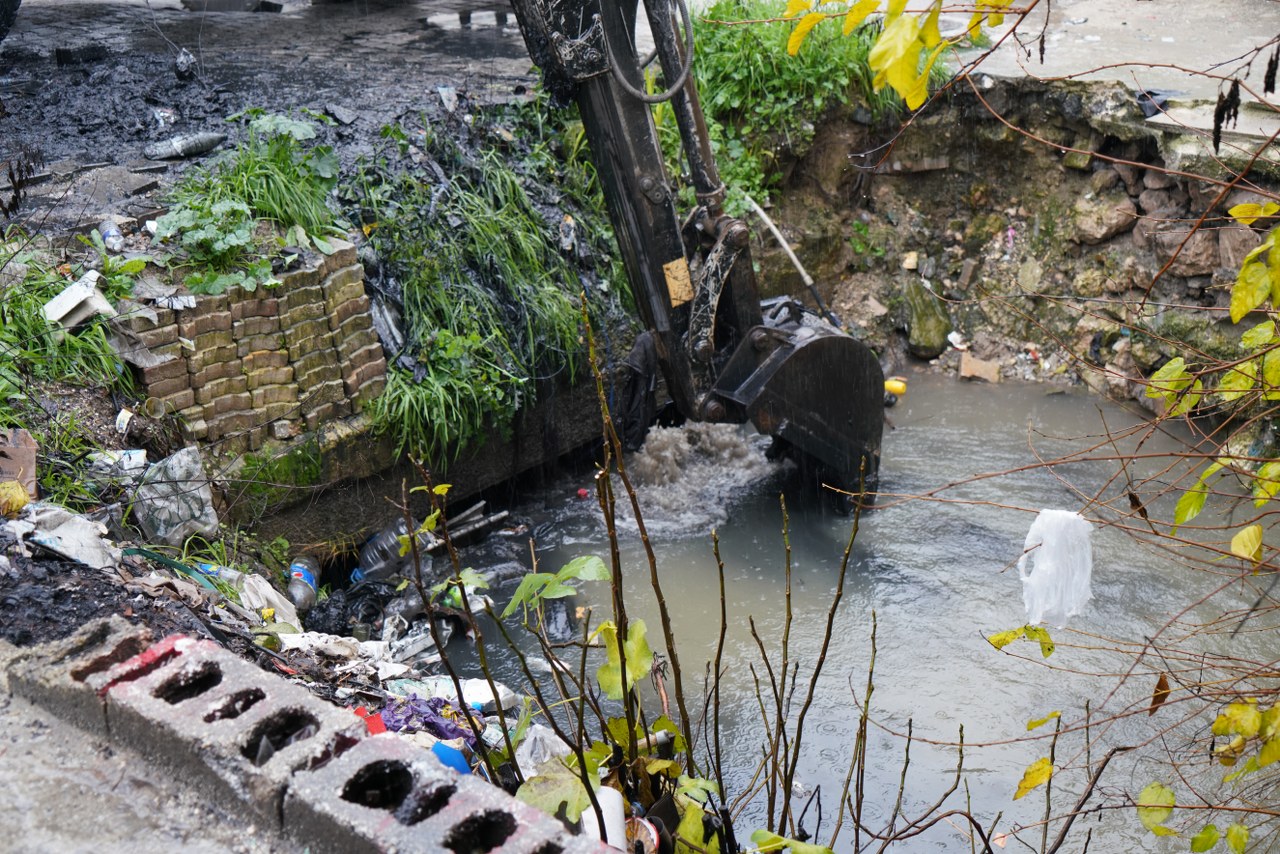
<point x="1036" y="775"/>
<point x="527" y="593"/>
<point x="1246" y="213"/>
<point x="1257" y="337"/>
<point x="639" y="658"/>
<point x="698" y="788"/>
<point x="323" y="245"/>
<point x="556" y="590"/>
<point x="1039" y="722"/>
<point x="1253" y="285"/>
<point x="1002" y="639"/>
<point x="1238" y="381"/>
<point x="1041" y="634"/>
<point x="1247" y="543"/>
<point x="1205" y="839"/>
<point x="1189" y="505"/>
<point x="1237" y="838"/>
<point x="554" y="786"/>
<point x="768" y="841"/>
<point x="1188" y="400"/>
<point x="585" y="568"/>
<point x="1169" y="380"/>
<point x="1155" y="805"/>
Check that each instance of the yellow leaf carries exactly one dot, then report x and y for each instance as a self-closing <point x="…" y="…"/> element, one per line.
<point x="930" y="34"/>
<point x="1247" y="543"/>
<point x="1241" y="719"/>
<point x="1253" y="285"/>
<point x="915" y="96"/>
<point x="13" y="497"/>
<point x="795" y="7"/>
<point x="858" y="13"/>
<point x="1038" y="722"/>
<point x="975" y="25"/>
<point x="1155" y="805"/>
<point x="1247" y="213"/>
<point x="1269" y="753"/>
<point x="896" y="8"/>
<point x="1002" y="639"/>
<point x="1037" y="774"/>
<point x="807" y="23"/>
<point x="896" y="55"/>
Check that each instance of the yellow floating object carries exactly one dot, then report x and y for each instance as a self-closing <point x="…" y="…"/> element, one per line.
<point x="898" y="387"/>
<point x="13" y="497"/>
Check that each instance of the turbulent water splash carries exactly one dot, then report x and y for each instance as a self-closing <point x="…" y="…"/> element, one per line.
<point x="689" y="478"/>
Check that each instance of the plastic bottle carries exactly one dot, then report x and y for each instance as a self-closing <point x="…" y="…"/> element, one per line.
<point x="380" y="557"/>
<point x="226" y="573"/>
<point x="302" y="582"/>
<point x="112" y="237"/>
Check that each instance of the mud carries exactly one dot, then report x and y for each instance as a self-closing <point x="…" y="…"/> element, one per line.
<point x="87" y="86"/>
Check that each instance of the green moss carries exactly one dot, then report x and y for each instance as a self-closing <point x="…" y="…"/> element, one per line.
<point x="981" y="229"/>
<point x="269" y="481"/>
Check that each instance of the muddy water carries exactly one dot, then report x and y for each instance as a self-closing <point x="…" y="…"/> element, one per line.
<point x="938" y="575"/>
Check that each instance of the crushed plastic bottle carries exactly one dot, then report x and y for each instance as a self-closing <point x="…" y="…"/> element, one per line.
<point x="1060" y="548"/>
<point x="302" y="582"/>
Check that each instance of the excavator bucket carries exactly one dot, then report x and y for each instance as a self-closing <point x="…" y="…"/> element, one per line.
<point x="814" y="388"/>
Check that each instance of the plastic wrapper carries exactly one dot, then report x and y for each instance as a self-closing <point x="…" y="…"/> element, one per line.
<point x="1059" y="549"/>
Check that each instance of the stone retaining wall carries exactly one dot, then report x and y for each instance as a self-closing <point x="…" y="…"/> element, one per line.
<point x="244" y="366"/>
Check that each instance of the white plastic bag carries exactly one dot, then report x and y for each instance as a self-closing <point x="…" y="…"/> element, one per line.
<point x="1061" y="553"/>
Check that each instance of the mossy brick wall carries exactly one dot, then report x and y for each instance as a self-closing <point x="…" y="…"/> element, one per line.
<point x="246" y="366"/>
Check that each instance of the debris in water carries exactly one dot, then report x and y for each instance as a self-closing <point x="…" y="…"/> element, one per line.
<point x="1061" y="551"/>
<point x="186" y="145"/>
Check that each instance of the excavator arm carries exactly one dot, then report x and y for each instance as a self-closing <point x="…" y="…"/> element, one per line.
<point x="725" y="357"/>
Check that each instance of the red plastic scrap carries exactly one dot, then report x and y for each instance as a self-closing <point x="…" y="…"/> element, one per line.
<point x="149" y="660"/>
<point x="372" y="720"/>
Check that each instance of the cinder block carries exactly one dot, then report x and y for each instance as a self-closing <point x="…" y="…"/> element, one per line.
<point x="235" y="730"/>
<point x="318" y="378"/>
<point x="139" y="321"/>
<point x="356" y="324"/>
<point x="269" y="376"/>
<point x="172" y="386"/>
<point x="57" y="675"/>
<point x="344" y="285"/>
<point x="296" y="280"/>
<point x="222" y="426"/>
<point x="387" y="794"/>
<point x="216" y="371"/>
<point x="313" y="328"/>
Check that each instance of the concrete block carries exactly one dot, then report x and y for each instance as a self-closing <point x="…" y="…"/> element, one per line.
<point x="311" y="328"/>
<point x="297" y="297"/>
<point x="163" y="371"/>
<point x="177" y="401"/>
<point x="270" y="341"/>
<point x="171" y="386"/>
<point x="192" y="324"/>
<point x="387" y="794"/>
<point x="303" y="313"/>
<point x="218" y="720"/>
<point x="238" y="402"/>
<point x="216" y="371"/>
<point x="304" y="364"/>
<point x="344" y="255"/>
<point x="201" y="359"/>
<point x="211" y="391"/>
<point x="297" y="280"/>
<point x="210" y="340"/>
<point x="159" y="336"/>
<point x="139" y="321"/>
<point x="213" y="303"/>
<point x="57" y="675"/>
<point x="269" y="394"/>
<point x="265" y="359"/>
<point x="259" y="377"/>
<point x="255" y="326"/>
<point x="347" y="308"/>
<point x="266" y="307"/>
